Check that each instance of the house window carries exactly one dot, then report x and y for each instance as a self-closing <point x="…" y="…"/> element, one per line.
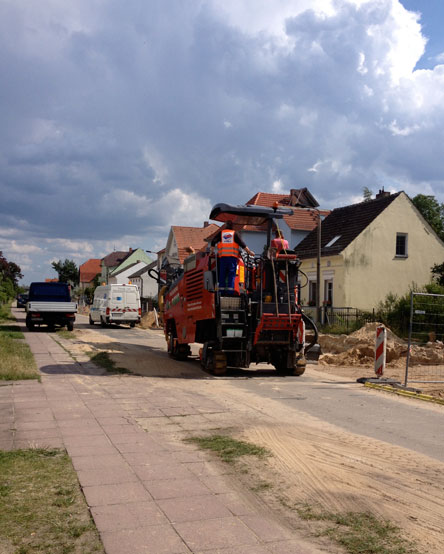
<point x="328" y="292"/>
<point x="401" y="245"/>
<point x="312" y="293"/>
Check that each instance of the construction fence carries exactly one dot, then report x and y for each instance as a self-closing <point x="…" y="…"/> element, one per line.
<point x="426" y="326"/>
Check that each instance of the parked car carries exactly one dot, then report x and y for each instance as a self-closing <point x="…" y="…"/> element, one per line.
<point x="21" y="300"/>
<point x="116" y="304"/>
<point x="50" y="304"/>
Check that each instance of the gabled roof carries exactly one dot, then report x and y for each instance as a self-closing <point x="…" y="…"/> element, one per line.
<point x="301" y="198"/>
<point x="143" y="270"/>
<point x="114" y="273"/>
<point x="342" y="226"/>
<point x="301" y="220"/>
<point x="115" y="258"/>
<point x="89" y="270"/>
<point x="191" y="236"/>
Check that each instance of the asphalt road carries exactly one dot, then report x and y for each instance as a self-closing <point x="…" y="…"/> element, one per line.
<point x="408" y="423"/>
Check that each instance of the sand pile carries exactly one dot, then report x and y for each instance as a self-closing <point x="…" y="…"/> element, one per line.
<point x="148" y="321"/>
<point x="358" y="348"/>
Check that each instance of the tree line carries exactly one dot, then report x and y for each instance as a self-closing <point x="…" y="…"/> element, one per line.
<point x="10" y="274"/>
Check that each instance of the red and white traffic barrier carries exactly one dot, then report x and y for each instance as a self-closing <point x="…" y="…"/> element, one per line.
<point x="380" y="350"/>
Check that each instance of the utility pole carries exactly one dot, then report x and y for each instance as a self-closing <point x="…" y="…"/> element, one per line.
<point x="318" y="270"/>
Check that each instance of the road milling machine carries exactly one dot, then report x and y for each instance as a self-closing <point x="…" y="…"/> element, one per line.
<point x="261" y="321"/>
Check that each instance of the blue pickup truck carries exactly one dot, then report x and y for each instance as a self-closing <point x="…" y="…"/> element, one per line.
<point x="50" y="304"/>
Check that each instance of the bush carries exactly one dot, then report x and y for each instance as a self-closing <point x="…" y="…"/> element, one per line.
<point x="394" y="311"/>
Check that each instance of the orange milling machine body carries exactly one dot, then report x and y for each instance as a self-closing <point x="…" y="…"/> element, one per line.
<point x="261" y="322"/>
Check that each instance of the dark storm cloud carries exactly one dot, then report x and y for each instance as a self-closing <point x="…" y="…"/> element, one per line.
<point x="122" y="119"/>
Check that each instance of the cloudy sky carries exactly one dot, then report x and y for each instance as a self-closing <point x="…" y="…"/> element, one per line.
<point x="120" y="119"/>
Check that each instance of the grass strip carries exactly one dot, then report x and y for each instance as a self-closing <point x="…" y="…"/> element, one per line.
<point x="16" y="359"/>
<point x="42" y="507"/>
<point x="103" y="359"/>
<point x="229" y="449"/>
<point x="360" y="532"/>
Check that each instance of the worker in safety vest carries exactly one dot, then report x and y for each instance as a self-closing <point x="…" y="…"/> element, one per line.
<point x="279" y="243"/>
<point x="228" y="244"/>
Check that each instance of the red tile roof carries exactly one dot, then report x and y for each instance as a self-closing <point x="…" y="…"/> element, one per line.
<point x="301" y="220"/>
<point x="192" y="236"/>
<point x="89" y="270"/>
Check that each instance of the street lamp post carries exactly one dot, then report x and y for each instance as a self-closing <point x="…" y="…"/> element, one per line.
<point x="318" y="269"/>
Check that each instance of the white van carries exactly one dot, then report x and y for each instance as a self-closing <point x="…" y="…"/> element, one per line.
<point x="116" y="304"/>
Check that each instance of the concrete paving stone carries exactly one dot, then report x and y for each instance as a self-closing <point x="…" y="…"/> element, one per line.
<point x="124" y="429"/>
<point x="113" y="420"/>
<point x="81" y="431"/>
<point x="132" y="515"/>
<point x="256" y="549"/>
<point x="293" y="547"/>
<point x="48" y="442"/>
<point x="236" y="504"/>
<point x="79" y="424"/>
<point x="182" y="411"/>
<point x="176" y="488"/>
<point x="193" y="508"/>
<point x="107" y="412"/>
<point x="143" y="413"/>
<point x="147" y="458"/>
<point x="157" y="539"/>
<point x="154" y="472"/>
<point x="6" y="435"/>
<point x="37" y="434"/>
<point x="29" y="425"/>
<point x="22" y="417"/>
<point x="63" y="415"/>
<point x="106" y="476"/>
<point x="215" y="533"/>
<point x="31" y="404"/>
<point x="265" y="528"/>
<point x="91" y="450"/>
<point x="136" y="444"/>
<point x="100" y="495"/>
<point x="41" y="412"/>
<point x="97" y="461"/>
<point x="7" y="444"/>
<point x="87" y="440"/>
<point x="217" y="484"/>
<point x="8" y="424"/>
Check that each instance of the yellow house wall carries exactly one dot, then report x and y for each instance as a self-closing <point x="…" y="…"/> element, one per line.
<point x="371" y="269"/>
<point x="331" y="267"/>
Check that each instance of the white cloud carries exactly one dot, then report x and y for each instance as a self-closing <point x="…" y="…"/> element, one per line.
<point x="115" y="117"/>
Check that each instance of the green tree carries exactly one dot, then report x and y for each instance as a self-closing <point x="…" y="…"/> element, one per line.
<point x="10" y="273"/>
<point x="67" y="271"/>
<point x="432" y="211"/>
<point x="438" y="273"/>
<point x="367" y="194"/>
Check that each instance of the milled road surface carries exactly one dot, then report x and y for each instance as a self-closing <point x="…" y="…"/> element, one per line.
<point x="411" y="424"/>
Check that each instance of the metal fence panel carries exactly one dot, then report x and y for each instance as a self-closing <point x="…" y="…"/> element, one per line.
<point x="426" y="325"/>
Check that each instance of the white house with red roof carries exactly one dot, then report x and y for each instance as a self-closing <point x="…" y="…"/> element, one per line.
<point x="182" y="241"/>
<point x="294" y="227"/>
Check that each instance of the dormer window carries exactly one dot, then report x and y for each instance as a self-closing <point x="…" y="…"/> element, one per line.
<point x="401" y="245"/>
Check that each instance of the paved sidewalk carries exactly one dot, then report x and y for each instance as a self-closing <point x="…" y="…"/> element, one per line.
<point x="149" y="492"/>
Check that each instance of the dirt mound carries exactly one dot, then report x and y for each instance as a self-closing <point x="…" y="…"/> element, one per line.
<point x="148" y="321"/>
<point x="358" y="348"/>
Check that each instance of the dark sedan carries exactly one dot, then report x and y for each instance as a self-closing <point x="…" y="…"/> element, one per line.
<point x="21" y="300"/>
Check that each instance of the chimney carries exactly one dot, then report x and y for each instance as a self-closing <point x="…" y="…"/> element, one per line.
<point x="382" y="193"/>
<point x="130" y="249"/>
<point x="206" y="223"/>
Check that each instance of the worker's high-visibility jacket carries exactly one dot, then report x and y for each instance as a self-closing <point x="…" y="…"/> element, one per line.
<point x="227" y="245"/>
